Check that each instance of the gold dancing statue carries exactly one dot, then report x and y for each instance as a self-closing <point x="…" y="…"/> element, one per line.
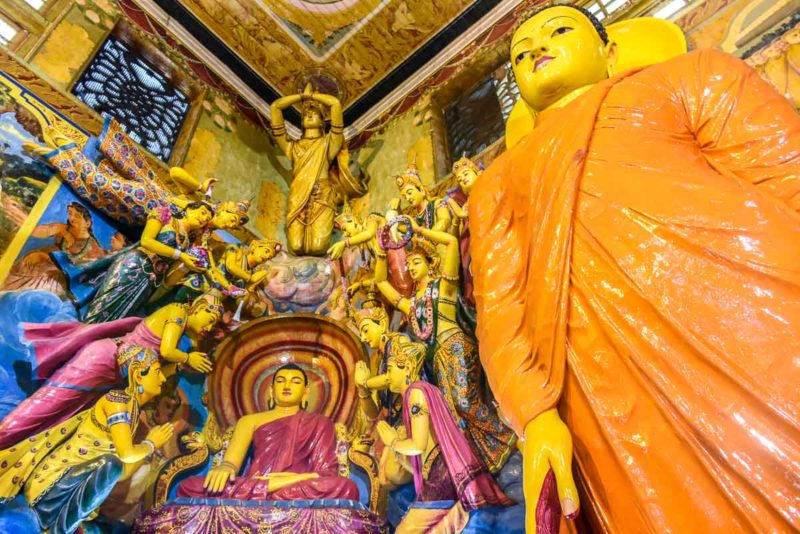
<point x="320" y="173"/>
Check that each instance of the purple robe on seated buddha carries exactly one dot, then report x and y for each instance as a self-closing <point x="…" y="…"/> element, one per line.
<point x="302" y="443"/>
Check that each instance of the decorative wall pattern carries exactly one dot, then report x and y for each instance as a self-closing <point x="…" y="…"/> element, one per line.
<point x="122" y="85"/>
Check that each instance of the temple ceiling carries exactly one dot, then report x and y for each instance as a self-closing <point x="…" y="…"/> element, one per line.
<point x="361" y="50"/>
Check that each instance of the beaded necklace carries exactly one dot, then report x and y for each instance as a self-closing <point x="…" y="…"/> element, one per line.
<point x="425" y="217"/>
<point x="425" y="332"/>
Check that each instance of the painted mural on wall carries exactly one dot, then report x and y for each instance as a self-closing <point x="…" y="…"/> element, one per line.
<point x="68" y="249"/>
<point x="22" y="178"/>
<point x="54" y="249"/>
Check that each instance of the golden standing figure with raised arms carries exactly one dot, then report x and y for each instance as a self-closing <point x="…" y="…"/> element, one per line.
<point x="320" y="171"/>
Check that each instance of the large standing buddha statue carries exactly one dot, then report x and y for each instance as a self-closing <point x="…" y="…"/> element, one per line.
<point x="636" y="274"/>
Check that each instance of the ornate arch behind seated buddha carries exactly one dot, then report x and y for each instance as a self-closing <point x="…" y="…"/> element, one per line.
<point x="247" y="359"/>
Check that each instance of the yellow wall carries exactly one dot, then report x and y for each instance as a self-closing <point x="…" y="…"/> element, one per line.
<point x="247" y="165"/>
<point x="387" y="153"/>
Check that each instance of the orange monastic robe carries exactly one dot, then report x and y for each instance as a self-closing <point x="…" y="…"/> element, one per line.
<point x="639" y="266"/>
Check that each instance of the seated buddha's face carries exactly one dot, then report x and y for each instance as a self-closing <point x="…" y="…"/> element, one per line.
<point x="288" y="387"/>
<point x="555" y="52"/>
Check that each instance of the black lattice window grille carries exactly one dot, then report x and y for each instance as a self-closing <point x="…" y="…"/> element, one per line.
<point x="120" y="84"/>
<point x="505" y="85"/>
<point x="474" y="121"/>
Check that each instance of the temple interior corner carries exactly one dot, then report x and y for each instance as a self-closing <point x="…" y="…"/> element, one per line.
<point x="412" y="266"/>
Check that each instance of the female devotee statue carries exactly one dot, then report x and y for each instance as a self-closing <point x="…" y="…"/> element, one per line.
<point x="79" y="362"/>
<point x="315" y="158"/>
<point x="442" y="462"/>
<point x="294" y="454"/>
<point x="68" y="471"/>
<point x="466" y="172"/>
<point x="136" y="274"/>
<point x="432" y="315"/>
<point x="367" y="236"/>
<point x="640" y="245"/>
<point x="428" y="212"/>
<point x="373" y="328"/>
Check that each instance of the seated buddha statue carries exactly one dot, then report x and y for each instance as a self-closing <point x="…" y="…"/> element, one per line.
<point x="294" y="455"/>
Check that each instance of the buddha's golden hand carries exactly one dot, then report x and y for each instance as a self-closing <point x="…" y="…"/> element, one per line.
<point x="159" y="435"/>
<point x="387" y="434"/>
<point x="362" y="374"/>
<point x="394" y="204"/>
<point x="336" y="250"/>
<point x="548" y="445"/>
<point x="217" y="478"/>
<point x="199" y="361"/>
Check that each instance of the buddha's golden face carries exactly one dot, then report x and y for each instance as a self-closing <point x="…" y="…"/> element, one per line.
<point x="288" y="387"/>
<point x="370" y="333"/>
<point x="555" y="52"/>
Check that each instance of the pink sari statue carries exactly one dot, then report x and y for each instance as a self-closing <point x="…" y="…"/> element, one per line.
<point x="78" y="362"/>
<point x="474" y="486"/>
<point x="301" y="443"/>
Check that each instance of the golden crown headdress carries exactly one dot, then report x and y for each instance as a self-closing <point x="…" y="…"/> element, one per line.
<point x="466" y="163"/>
<point x="313" y="104"/>
<point x="424" y="247"/>
<point x="405" y="355"/>
<point x="346" y="215"/>
<point x="373" y="313"/>
<point x="410" y="177"/>
<point x="211" y="300"/>
<point x="129" y="355"/>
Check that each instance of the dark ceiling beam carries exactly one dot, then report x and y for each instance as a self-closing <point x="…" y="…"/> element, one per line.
<point x="373" y="96"/>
